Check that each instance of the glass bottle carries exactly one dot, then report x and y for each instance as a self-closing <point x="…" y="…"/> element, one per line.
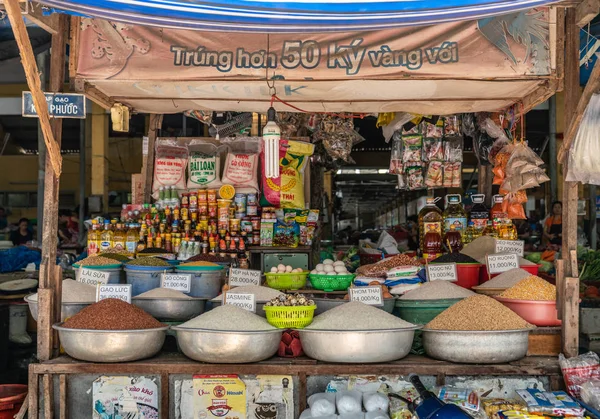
<point x="455" y="215"/>
<point x="141" y="244"/>
<point x="94" y="239"/>
<point x="430" y="219"/>
<point x="119" y="238"/>
<point x="106" y="238"/>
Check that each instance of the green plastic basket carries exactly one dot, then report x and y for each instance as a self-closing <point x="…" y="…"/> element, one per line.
<point x="290" y="317"/>
<point x="331" y="282"/>
<point x="286" y="281"/>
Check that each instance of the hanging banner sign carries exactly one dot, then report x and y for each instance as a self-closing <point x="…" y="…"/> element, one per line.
<point x="60" y="105"/>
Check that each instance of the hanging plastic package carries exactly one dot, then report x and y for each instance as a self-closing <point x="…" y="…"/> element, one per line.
<point x="241" y="165"/>
<point x="293" y="164"/>
<point x="584" y="155"/>
<point x="170" y="162"/>
<point x="204" y="165"/>
<point x="396" y="164"/>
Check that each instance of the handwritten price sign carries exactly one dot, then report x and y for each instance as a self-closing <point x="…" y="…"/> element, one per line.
<point x="245" y="301"/>
<point x="92" y="276"/>
<point x="442" y="272"/>
<point x="510" y="246"/>
<point x="121" y="292"/>
<point x="496" y="264"/>
<point x="243" y="277"/>
<point x="177" y="282"/>
<point x="367" y="295"/>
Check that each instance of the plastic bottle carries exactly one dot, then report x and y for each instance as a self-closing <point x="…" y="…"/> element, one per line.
<point x="432" y="244"/>
<point x="94" y="239"/>
<point x="132" y="239"/>
<point x="497" y="214"/>
<point x="490" y="230"/>
<point x="430" y="219"/>
<point x="472" y="233"/>
<point x="106" y="238"/>
<point x="119" y="238"/>
<point x="453" y="239"/>
<point x="480" y="214"/>
<point x="455" y="215"/>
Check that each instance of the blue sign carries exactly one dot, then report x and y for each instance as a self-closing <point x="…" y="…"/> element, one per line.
<point x="60" y="105"/>
<point x="290" y="16"/>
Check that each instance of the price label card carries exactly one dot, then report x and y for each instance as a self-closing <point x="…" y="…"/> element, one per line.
<point x="243" y="277"/>
<point x="121" y="292"/>
<point x="367" y="295"/>
<point x="510" y="246"/>
<point x="442" y="272"/>
<point x="92" y="276"/>
<point x="496" y="264"/>
<point x="177" y="282"/>
<point x="245" y="301"/>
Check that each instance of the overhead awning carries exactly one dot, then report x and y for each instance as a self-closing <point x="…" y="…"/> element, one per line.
<point x="292" y="15"/>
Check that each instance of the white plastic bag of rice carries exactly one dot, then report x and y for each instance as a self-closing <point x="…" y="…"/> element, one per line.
<point x="377" y="414"/>
<point x="374" y="401"/>
<point x="204" y="165"/>
<point x="170" y="162"/>
<point x="348" y="401"/>
<point x="322" y="404"/>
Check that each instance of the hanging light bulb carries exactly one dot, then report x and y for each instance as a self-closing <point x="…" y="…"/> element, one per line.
<point x="271" y="137"/>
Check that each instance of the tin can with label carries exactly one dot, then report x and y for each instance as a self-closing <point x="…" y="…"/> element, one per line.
<point x="240" y="202"/>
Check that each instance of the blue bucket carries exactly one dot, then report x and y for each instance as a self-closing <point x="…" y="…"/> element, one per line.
<point x="204" y="284"/>
<point x="144" y="278"/>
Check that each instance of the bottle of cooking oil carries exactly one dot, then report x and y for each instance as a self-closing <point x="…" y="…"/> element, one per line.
<point x="455" y="215"/>
<point x="119" y="238"/>
<point x="430" y="220"/>
<point x="479" y="213"/>
<point x="497" y="213"/>
<point x="453" y="240"/>
<point x="132" y="239"/>
<point x="106" y="238"/>
<point x="93" y="239"/>
<point x="490" y="230"/>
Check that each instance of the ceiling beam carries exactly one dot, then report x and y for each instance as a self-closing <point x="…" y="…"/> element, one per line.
<point x="586" y="11"/>
<point x="33" y="12"/>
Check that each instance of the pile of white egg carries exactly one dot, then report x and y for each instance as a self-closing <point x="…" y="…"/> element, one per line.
<point x="283" y="269"/>
<point x="329" y="267"/>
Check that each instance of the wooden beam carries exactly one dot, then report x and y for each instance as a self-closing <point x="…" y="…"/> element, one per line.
<point x="586" y="11"/>
<point x="74" y="41"/>
<point x="33" y="81"/>
<point x="34" y="13"/>
<point x="148" y="159"/>
<point x="100" y="154"/>
<point x="540" y="95"/>
<point x="570" y="318"/>
<point x="591" y="87"/>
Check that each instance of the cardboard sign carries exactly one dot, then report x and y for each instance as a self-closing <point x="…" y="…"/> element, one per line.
<point x="496" y="264"/>
<point x="177" y="282"/>
<point x="442" y="272"/>
<point x="121" y="292"/>
<point x="367" y="295"/>
<point x="92" y="276"/>
<point x="510" y="246"/>
<point x="219" y="396"/>
<point x="243" y="277"/>
<point x="245" y="301"/>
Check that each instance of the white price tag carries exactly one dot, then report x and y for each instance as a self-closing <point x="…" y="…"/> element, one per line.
<point x="121" y="292"/>
<point x="510" y="246"/>
<point x="367" y="295"/>
<point x="496" y="264"/>
<point x="442" y="272"/>
<point x="245" y="301"/>
<point x="177" y="282"/>
<point x="145" y="142"/>
<point x="92" y="276"/>
<point x="243" y="277"/>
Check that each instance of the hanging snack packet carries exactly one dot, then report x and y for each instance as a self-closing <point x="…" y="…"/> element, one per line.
<point x="170" y="162"/>
<point x="412" y="148"/>
<point x="434" y="175"/>
<point x="414" y="177"/>
<point x="241" y="165"/>
<point x="293" y="164"/>
<point x="271" y="188"/>
<point x="453" y="149"/>
<point x="452" y="126"/>
<point x="433" y="149"/>
<point x="396" y="166"/>
<point x="456" y="175"/>
<point x="448" y="175"/>
<point x="204" y="165"/>
<point x="434" y="130"/>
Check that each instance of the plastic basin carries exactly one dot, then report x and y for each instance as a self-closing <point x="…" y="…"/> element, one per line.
<point x="205" y="283"/>
<point x="422" y="311"/>
<point x="539" y="313"/>
<point x="483" y="274"/>
<point x="12" y="397"/>
<point x="468" y="274"/>
<point x="144" y="278"/>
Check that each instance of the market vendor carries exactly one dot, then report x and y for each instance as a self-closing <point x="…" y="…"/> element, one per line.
<point x="22" y="234"/>
<point x="553" y="225"/>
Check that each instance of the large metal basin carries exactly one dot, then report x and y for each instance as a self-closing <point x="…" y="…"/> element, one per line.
<point x="324" y="304"/>
<point x="170" y="309"/>
<point x="227" y="347"/>
<point x="362" y="346"/>
<point x="67" y="309"/>
<point x="476" y="347"/>
<point x="111" y="345"/>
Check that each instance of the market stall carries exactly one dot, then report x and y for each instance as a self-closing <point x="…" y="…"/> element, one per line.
<point x="476" y="69"/>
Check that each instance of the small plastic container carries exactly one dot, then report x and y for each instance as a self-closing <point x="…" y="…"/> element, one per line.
<point x="286" y="281"/>
<point x="12" y="397"/>
<point x="331" y="282"/>
<point x="290" y="317"/>
<point x="468" y="274"/>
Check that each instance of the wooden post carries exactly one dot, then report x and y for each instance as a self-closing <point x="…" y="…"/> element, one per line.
<point x="148" y="162"/>
<point x="100" y="154"/>
<point x="570" y="285"/>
